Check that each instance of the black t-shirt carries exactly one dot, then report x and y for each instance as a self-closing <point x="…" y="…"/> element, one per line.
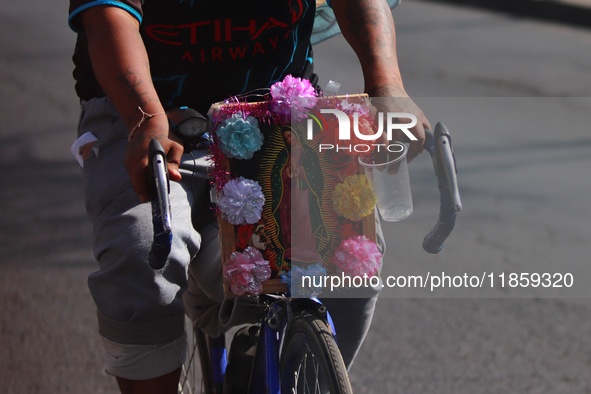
<point x="203" y="51"/>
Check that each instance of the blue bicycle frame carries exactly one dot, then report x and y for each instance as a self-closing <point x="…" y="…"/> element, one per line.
<point x="265" y="375"/>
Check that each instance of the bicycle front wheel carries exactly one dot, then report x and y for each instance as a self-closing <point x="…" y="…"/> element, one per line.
<point x="310" y="359"/>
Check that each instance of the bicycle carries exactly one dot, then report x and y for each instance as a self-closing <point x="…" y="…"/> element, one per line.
<point x="310" y="360"/>
<point x="296" y="345"/>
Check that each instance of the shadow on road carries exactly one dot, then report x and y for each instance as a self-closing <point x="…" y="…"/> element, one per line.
<point x="552" y="10"/>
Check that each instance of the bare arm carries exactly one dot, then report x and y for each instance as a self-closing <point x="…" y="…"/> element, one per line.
<point x="121" y="65"/>
<point x="368" y="27"/>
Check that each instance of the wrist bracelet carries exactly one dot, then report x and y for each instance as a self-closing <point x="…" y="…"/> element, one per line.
<point x="145" y="116"/>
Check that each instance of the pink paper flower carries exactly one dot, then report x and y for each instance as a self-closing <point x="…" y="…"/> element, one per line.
<point x="358" y="256"/>
<point x="245" y="272"/>
<point x="287" y="96"/>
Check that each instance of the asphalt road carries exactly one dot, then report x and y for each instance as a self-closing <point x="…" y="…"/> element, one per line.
<point x="512" y="91"/>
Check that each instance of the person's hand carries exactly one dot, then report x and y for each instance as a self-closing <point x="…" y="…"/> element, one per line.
<point x="136" y="156"/>
<point x="394" y="99"/>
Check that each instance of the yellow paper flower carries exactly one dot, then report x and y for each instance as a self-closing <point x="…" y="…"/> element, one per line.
<point x="354" y="199"/>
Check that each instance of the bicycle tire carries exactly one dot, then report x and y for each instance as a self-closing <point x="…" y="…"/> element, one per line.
<point x="310" y="361"/>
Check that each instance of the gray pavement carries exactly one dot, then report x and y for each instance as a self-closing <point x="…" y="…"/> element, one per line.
<point x="525" y="186"/>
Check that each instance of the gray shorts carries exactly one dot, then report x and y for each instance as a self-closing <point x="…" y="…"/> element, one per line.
<point x="140" y="310"/>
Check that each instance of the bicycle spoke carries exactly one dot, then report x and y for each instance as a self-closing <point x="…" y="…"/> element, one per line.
<point x="311" y="363"/>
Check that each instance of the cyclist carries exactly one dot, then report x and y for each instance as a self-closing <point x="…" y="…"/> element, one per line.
<point x="134" y="60"/>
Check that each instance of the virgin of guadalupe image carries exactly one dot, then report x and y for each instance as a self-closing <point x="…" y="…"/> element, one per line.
<point x="293" y="222"/>
<point x="303" y="204"/>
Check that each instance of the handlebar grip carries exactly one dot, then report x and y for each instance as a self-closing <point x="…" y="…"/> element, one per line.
<point x="161" y="215"/>
<point x="438" y="144"/>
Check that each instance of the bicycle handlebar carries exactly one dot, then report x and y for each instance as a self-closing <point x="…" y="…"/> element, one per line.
<point x="161" y="214"/>
<point x="437" y="143"/>
<point x="439" y="146"/>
